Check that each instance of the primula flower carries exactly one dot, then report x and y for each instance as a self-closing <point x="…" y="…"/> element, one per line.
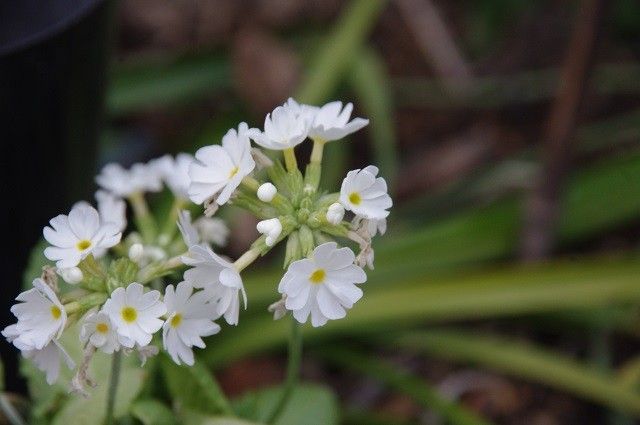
<point x="266" y="192"/>
<point x="48" y="360"/>
<point x="365" y="194"/>
<point x="284" y="128"/>
<point x="331" y="122"/>
<point x="135" y="314"/>
<point x="219" y="170"/>
<point x="335" y="213"/>
<point x="218" y="278"/>
<point x="98" y="331"/>
<point x="189" y="318"/>
<point x="41" y="317"/>
<point x="112" y="209"/>
<point x="212" y="230"/>
<point x="175" y="173"/>
<point x="322" y="286"/>
<point x="71" y="275"/>
<point x="77" y="235"/>
<point x="122" y="182"/>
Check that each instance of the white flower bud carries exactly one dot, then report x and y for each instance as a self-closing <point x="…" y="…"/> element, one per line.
<point x="272" y="228"/>
<point x="71" y="275"/>
<point x="266" y="192"/>
<point x="136" y="252"/>
<point x="335" y="213"/>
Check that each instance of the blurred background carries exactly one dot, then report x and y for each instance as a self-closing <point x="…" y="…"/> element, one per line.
<point x="508" y="286"/>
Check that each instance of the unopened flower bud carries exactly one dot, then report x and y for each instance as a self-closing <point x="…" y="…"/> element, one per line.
<point x="71" y="275"/>
<point x="271" y="228"/>
<point x="335" y="213"/>
<point x="266" y="192"/>
<point x="136" y="252"/>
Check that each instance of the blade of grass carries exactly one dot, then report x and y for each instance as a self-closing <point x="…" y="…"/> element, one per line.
<point x="509" y="292"/>
<point x="163" y="83"/>
<point x="403" y="382"/>
<point x="371" y="85"/>
<point x="334" y="58"/>
<point x="525" y="361"/>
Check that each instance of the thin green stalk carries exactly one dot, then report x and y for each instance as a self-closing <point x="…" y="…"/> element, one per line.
<point x="170" y="226"/>
<point x="113" y="386"/>
<point x="10" y="413"/>
<point x="293" y="370"/>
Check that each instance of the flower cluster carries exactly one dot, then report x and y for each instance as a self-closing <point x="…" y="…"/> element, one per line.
<point x="116" y="282"/>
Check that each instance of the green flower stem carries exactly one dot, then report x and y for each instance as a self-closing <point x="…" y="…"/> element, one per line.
<point x="170" y="226"/>
<point x="314" y="168"/>
<point x="246" y="259"/>
<point x="113" y="386"/>
<point x="145" y="221"/>
<point x="85" y="303"/>
<point x="290" y="160"/>
<point x="154" y="271"/>
<point x="293" y="370"/>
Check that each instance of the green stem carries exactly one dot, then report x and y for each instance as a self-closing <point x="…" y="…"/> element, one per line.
<point x="170" y="226"/>
<point x="290" y="160"/>
<point x="113" y="386"/>
<point x="293" y="370"/>
<point x="145" y="221"/>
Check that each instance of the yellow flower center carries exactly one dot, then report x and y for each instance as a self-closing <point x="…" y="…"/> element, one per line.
<point x="176" y="320"/>
<point x="317" y="276"/>
<point x="355" y="198"/>
<point x="55" y="312"/>
<point x="83" y="244"/>
<point x="129" y="314"/>
<point x="233" y="172"/>
<point x="103" y="328"/>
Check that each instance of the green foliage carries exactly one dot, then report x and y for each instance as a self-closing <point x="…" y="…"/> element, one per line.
<point x="526" y="361"/>
<point x="194" y="388"/>
<point x="145" y="85"/>
<point x="309" y="404"/>
<point x="152" y="412"/>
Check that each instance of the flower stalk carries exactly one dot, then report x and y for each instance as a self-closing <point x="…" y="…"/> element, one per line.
<point x="113" y="386"/>
<point x="293" y="370"/>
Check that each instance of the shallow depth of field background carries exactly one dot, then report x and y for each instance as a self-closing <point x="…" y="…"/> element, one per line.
<point x="508" y="285"/>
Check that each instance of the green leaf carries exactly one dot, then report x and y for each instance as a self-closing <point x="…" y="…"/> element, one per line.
<point x="512" y="291"/>
<point x="194" y="387"/>
<point x="370" y="83"/>
<point x="403" y="382"/>
<point x="334" y="58"/>
<point x="152" y="412"/>
<point x="195" y="418"/>
<point x="528" y="362"/>
<point x="162" y="83"/>
<point x="309" y="404"/>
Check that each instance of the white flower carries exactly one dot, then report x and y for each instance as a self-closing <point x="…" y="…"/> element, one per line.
<point x="112" y="209"/>
<point x="47" y="359"/>
<point x="189" y="233"/>
<point x="77" y="235"/>
<point x="71" y="275"/>
<point x="377" y="226"/>
<point x="322" y="286"/>
<point x="335" y="213"/>
<point x="219" y="278"/>
<point x="189" y="318"/>
<point x="41" y="317"/>
<point x="266" y="192"/>
<point x="331" y="122"/>
<point x="272" y="228"/>
<point x="212" y="230"/>
<point x="98" y="330"/>
<point x="175" y="173"/>
<point x="219" y="170"/>
<point x="122" y="182"/>
<point x="135" y="314"/>
<point x="364" y="194"/>
<point x="284" y="128"/>
<point x="307" y="113"/>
